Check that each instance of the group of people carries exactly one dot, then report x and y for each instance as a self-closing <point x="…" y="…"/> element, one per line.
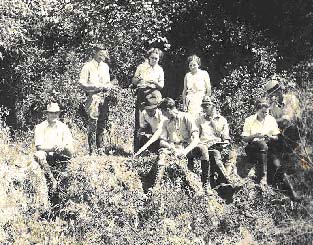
<point x="198" y="131"/>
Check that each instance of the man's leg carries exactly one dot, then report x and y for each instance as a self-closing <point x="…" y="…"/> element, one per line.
<point x="258" y="150"/>
<point x="92" y="127"/>
<point x="161" y="165"/>
<point x="201" y="151"/>
<point x="41" y="158"/>
<point x="102" y="123"/>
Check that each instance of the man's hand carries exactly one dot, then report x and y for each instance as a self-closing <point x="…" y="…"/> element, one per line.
<point x="180" y="154"/>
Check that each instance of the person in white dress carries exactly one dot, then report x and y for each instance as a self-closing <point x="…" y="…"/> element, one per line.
<point x="196" y="85"/>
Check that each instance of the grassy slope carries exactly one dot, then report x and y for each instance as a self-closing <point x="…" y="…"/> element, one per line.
<point x="106" y="203"/>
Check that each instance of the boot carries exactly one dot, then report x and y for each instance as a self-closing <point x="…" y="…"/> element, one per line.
<point x="293" y="195"/>
<point x="92" y="142"/>
<point x="263" y="169"/>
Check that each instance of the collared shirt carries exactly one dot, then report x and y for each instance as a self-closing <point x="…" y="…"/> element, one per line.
<point x="48" y="136"/>
<point x="213" y="127"/>
<point x="154" y="122"/>
<point x="266" y="127"/>
<point x="179" y="129"/>
<point x="94" y="73"/>
<point x="150" y="73"/>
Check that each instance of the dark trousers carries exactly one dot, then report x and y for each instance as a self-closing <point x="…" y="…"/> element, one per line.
<point x="58" y="166"/>
<point x="96" y="126"/>
<point x="201" y="151"/>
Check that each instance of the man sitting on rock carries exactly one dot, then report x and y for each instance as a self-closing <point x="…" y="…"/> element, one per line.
<point x="214" y="135"/>
<point x="261" y="132"/>
<point x="178" y="137"/>
<point x="54" y="147"/>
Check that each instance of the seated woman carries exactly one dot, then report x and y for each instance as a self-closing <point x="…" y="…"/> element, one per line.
<point x="196" y="86"/>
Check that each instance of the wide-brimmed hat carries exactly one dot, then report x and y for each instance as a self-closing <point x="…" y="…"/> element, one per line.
<point x="53" y="107"/>
<point x="272" y="85"/>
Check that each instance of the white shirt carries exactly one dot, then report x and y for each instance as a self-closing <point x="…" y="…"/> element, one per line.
<point x="266" y="127"/>
<point x="94" y="73"/>
<point x="48" y="136"/>
<point x="155" y="121"/>
<point x="150" y="73"/>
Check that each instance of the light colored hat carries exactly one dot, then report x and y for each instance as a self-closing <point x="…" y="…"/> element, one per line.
<point x="272" y="85"/>
<point x="53" y="107"/>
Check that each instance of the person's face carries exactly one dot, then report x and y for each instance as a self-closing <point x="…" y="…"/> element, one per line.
<point x="208" y="108"/>
<point x="151" y="112"/>
<point x="153" y="59"/>
<point x="275" y="97"/>
<point x="52" y="116"/>
<point x="262" y="112"/>
<point x="169" y="113"/>
<point x="100" y="55"/>
<point x="193" y="66"/>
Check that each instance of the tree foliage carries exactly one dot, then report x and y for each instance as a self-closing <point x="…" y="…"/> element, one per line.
<point x="44" y="44"/>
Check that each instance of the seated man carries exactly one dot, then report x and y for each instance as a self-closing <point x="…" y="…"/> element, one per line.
<point x="178" y="137"/>
<point x="54" y="147"/>
<point x="214" y="134"/>
<point x="285" y="108"/>
<point x="261" y="131"/>
<point x="150" y="120"/>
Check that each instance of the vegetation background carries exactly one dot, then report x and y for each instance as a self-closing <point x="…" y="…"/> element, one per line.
<point x="43" y="45"/>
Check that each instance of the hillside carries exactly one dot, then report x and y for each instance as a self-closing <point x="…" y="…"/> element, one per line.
<point x="106" y="204"/>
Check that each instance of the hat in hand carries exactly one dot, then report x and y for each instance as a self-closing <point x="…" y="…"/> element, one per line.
<point x="53" y="107"/>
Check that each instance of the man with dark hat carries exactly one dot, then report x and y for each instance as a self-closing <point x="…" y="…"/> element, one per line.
<point x="261" y="132"/>
<point x="54" y="147"/>
<point x="150" y="120"/>
<point x="94" y="80"/>
<point x="214" y="134"/>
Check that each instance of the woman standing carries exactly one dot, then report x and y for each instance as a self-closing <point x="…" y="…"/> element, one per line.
<point x="196" y="86"/>
<point x="149" y="80"/>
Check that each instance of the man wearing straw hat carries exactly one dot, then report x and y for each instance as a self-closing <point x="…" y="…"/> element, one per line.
<point x="94" y="80"/>
<point x="54" y="147"/>
<point x="285" y="107"/>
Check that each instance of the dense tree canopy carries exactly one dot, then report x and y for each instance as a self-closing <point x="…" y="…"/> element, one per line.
<point x="43" y="45"/>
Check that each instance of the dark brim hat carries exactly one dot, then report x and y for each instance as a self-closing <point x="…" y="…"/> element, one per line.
<point x="207" y="100"/>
